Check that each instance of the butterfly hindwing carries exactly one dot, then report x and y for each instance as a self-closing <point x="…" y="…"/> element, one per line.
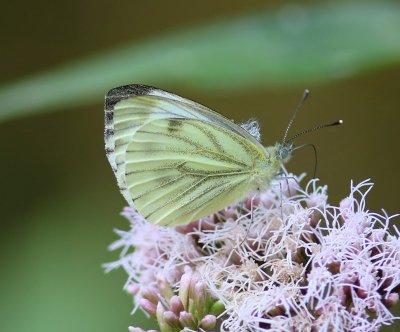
<point x="178" y="170"/>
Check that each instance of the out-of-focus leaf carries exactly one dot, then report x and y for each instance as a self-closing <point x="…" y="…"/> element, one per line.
<point x="292" y="45"/>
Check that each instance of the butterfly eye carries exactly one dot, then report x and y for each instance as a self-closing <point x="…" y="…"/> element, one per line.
<point x="285" y="151"/>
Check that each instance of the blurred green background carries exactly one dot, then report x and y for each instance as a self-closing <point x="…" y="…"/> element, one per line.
<point x="244" y="59"/>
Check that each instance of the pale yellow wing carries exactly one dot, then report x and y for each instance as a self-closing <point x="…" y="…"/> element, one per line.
<point x="179" y="170"/>
<point x="127" y="108"/>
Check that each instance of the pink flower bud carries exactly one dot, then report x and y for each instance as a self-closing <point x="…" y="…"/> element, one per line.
<point x="392" y="299"/>
<point x="187" y="320"/>
<point x="163" y="286"/>
<point x="171" y="320"/>
<point x="184" y="289"/>
<point x="199" y="298"/>
<point x="150" y="294"/>
<point x="148" y="306"/>
<point x="208" y="322"/>
<point x="160" y="317"/>
<point x="193" y="282"/>
<point x="176" y="304"/>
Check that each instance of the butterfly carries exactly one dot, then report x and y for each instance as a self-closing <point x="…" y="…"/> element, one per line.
<point x="177" y="161"/>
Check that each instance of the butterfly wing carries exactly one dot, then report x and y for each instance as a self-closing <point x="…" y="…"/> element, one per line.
<point x="128" y="107"/>
<point x="132" y="108"/>
<point x="179" y="170"/>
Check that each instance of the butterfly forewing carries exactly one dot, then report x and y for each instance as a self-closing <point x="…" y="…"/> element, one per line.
<point x="129" y="107"/>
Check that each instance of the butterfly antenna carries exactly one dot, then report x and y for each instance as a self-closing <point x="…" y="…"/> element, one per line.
<point x="309" y="130"/>
<point x="299" y="106"/>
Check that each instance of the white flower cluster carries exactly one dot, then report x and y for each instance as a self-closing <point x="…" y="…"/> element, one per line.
<point x="285" y="260"/>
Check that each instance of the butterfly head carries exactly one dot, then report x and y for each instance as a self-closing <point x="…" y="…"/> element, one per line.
<point x="284" y="151"/>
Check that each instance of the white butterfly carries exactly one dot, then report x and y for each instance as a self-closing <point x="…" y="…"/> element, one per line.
<point x="176" y="160"/>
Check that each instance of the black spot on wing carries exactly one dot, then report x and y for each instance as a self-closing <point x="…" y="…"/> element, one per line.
<point x="123" y="92"/>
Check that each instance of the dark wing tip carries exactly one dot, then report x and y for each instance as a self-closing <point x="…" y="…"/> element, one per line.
<point x="125" y="91"/>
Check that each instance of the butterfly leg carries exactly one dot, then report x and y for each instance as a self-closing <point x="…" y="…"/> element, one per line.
<point x="251" y="219"/>
<point x="281" y="200"/>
